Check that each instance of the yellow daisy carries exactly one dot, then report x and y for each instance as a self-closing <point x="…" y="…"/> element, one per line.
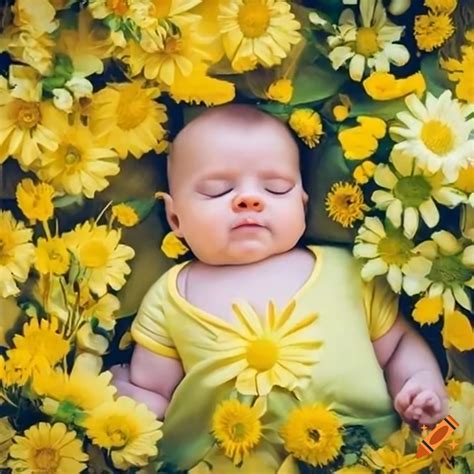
<point x="279" y="350"/>
<point x="307" y="125"/>
<point x="47" y="448"/>
<point x="176" y="11"/>
<point x="261" y="29"/>
<point x="87" y="45"/>
<point x="385" y="86"/>
<point x="79" y="165"/>
<point x="35" y="200"/>
<point x="363" y="172"/>
<point x="52" y="256"/>
<point x="237" y="427"/>
<point x="126" y="117"/>
<point x="428" y="310"/>
<point x="82" y="389"/>
<point x="16" y="253"/>
<point x="345" y="204"/>
<point x="391" y="460"/>
<point x="98" y="250"/>
<point x="370" y="45"/>
<point x="438" y="132"/>
<point x="451" y="270"/>
<point x="23" y="134"/>
<point x="313" y="434"/>
<point x="129" y="431"/>
<point x="458" y="331"/>
<point x="40" y="347"/>
<point x="432" y="30"/>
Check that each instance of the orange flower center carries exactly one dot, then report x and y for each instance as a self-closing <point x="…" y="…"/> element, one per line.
<point x="27" y="114"/>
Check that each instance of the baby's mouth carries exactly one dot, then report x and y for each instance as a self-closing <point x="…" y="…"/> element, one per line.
<point x="247" y="223"/>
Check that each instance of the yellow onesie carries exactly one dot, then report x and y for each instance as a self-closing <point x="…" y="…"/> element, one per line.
<point x="346" y="376"/>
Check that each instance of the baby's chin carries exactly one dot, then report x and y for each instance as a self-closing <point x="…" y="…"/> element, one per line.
<point x="242" y="254"/>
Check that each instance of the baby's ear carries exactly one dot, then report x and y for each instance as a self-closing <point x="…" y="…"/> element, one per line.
<point x="171" y="215"/>
<point x="305" y="200"/>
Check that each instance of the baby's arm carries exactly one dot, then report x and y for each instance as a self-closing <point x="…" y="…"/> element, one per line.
<point x="150" y="379"/>
<point x="413" y="376"/>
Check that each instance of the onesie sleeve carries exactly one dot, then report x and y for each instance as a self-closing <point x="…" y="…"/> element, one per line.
<point x="381" y="307"/>
<point x="149" y="328"/>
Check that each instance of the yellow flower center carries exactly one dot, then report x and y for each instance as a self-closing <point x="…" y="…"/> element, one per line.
<point x="118" y="438"/>
<point x="46" y="460"/>
<point x="72" y="155"/>
<point x="366" y="41"/>
<point x="173" y="45"/>
<point x="465" y="180"/>
<point x="132" y="109"/>
<point x="262" y="354"/>
<point x="253" y="19"/>
<point x="119" y="7"/>
<point x="437" y="137"/>
<point x="93" y="254"/>
<point x="27" y="114"/>
<point x="395" y="249"/>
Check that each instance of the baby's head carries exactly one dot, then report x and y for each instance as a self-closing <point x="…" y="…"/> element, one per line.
<point x="236" y="194"/>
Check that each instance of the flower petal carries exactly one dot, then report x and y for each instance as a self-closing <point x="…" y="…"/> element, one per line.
<point x="384" y="177"/>
<point x="394" y="277"/>
<point x="429" y="213"/>
<point x="410" y="222"/>
<point x="394" y="213"/>
<point x="373" y="268"/>
<point x="447" y="242"/>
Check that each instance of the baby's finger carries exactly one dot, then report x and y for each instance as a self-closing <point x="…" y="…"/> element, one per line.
<point x="423" y="399"/>
<point x="404" y="398"/>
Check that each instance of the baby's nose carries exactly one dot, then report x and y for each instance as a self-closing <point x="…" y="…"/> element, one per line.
<point x="247" y="203"/>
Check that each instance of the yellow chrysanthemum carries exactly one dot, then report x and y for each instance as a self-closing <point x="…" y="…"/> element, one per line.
<point x="82" y="389"/>
<point x="123" y="11"/>
<point x="363" y="172"/>
<point x="428" y="310"/>
<point x="16" y="253"/>
<point x="457" y="331"/>
<point x="391" y="460"/>
<point x="40" y="347"/>
<point x="263" y="29"/>
<point x="6" y="439"/>
<point x="312" y="434"/>
<point x="47" y="448"/>
<point x="237" y="428"/>
<point x="279" y="351"/>
<point x="79" y="165"/>
<point x="125" y="215"/>
<point x="454" y="388"/>
<point x="129" y="431"/>
<point x="307" y="125"/>
<point x="385" y="86"/>
<point x="125" y="117"/>
<point x="432" y="30"/>
<point x="52" y="256"/>
<point x="172" y="246"/>
<point x="280" y="90"/>
<point x="98" y="250"/>
<point x="15" y="370"/>
<point x="35" y="200"/>
<point x="198" y="88"/>
<point x="345" y="203"/>
<point x="23" y="134"/>
<point x="441" y="6"/>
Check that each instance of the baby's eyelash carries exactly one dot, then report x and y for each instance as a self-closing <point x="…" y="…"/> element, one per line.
<point x="220" y="194"/>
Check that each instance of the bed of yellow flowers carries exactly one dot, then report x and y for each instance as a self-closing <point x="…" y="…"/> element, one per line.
<point x="381" y="97"/>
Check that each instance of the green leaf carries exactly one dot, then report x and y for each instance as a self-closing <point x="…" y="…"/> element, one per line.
<point x="362" y="104"/>
<point x="63" y="66"/>
<point x="436" y="78"/>
<point x="53" y="82"/>
<point x="68" y="200"/>
<point x="142" y="207"/>
<point x="315" y="82"/>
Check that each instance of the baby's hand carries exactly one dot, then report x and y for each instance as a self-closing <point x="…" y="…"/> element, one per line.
<point x="420" y="402"/>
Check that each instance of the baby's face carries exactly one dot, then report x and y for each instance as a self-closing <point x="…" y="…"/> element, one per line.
<point x="237" y="197"/>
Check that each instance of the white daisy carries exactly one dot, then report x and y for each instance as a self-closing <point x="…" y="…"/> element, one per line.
<point x="437" y="133"/>
<point x="410" y="192"/>
<point x="452" y="270"/>
<point x="388" y="251"/>
<point x="370" y="44"/>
